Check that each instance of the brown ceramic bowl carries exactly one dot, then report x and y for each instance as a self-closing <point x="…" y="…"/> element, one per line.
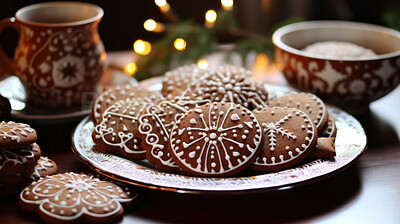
<point x="350" y="83"/>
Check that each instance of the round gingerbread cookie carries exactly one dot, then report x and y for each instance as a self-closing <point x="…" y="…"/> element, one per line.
<point x="313" y="106"/>
<point x="216" y="140"/>
<point x="117" y="130"/>
<point x="5" y="107"/>
<point x="330" y="130"/>
<point x="155" y="126"/>
<point x="16" y="161"/>
<point x="289" y="137"/>
<point x="121" y="92"/>
<point x="16" y="135"/>
<point x="43" y="167"/>
<point x="230" y="85"/>
<point x="76" y="198"/>
<point x="176" y="81"/>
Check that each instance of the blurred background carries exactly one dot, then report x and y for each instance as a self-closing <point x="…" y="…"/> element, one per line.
<point x="123" y="21"/>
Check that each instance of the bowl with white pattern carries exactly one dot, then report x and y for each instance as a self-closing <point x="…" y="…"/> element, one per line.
<point x="348" y="82"/>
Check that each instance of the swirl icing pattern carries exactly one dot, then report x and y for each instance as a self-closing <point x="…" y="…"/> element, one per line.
<point x="70" y="196"/>
<point x="155" y="127"/>
<point x="117" y="130"/>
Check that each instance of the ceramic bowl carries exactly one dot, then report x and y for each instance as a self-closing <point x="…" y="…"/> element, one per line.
<point x="350" y="83"/>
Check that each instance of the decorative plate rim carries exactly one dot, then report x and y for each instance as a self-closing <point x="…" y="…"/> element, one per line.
<point x="350" y="143"/>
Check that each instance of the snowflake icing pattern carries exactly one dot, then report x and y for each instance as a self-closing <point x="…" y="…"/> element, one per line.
<point x="272" y="129"/>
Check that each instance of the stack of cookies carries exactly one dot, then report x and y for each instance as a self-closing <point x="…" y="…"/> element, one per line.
<point x="21" y="161"/>
<point x="212" y="123"/>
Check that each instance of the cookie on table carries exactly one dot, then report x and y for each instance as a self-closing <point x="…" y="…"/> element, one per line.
<point x="155" y="126"/>
<point x="330" y="130"/>
<point x="15" y="162"/>
<point x="177" y="81"/>
<point x="230" y="84"/>
<point x="5" y="107"/>
<point x="117" y="131"/>
<point x="216" y="140"/>
<point x="76" y="198"/>
<point x="121" y="92"/>
<point x="289" y="137"/>
<point x="313" y="106"/>
<point x="43" y="168"/>
<point x="16" y="135"/>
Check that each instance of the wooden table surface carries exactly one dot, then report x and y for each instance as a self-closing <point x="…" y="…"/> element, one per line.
<point x="367" y="192"/>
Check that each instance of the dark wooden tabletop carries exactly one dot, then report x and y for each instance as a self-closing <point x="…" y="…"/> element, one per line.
<point x="367" y="192"/>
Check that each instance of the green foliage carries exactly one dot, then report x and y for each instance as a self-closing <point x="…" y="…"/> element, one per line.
<point x="391" y="16"/>
<point x="200" y="41"/>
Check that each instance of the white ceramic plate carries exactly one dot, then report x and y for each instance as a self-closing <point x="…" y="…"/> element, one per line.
<point x="350" y="143"/>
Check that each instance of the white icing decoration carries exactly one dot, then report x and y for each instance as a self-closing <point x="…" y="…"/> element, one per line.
<point x="193" y="121"/>
<point x="15" y="157"/>
<point x="42" y="165"/>
<point x="235" y="117"/>
<point x="80" y="184"/>
<point x="211" y="138"/>
<point x="118" y="112"/>
<point x="272" y="129"/>
<point x="13" y="129"/>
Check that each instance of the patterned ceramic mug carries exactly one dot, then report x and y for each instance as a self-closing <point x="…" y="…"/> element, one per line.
<point x="59" y="56"/>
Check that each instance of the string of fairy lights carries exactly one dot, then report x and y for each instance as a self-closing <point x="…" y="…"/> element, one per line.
<point x="143" y="47"/>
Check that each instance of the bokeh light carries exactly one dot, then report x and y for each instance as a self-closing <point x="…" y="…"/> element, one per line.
<point x="150" y="25"/>
<point x="211" y="16"/>
<point x="131" y="68"/>
<point x="180" y="44"/>
<point x="202" y="64"/>
<point x="142" y="47"/>
<point x="227" y="4"/>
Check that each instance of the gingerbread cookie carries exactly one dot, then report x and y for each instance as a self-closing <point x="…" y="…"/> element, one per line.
<point x="230" y="85"/>
<point x="36" y="151"/>
<point x="325" y="149"/>
<point x="307" y="102"/>
<point x="117" y="130"/>
<point x="121" y="92"/>
<point x="289" y="137"/>
<point x="43" y="167"/>
<point x="330" y="130"/>
<point x="75" y="198"/>
<point x="216" y="140"/>
<point x="16" y="161"/>
<point x="177" y="81"/>
<point x="5" y="107"/>
<point x="155" y="127"/>
<point x="16" y="135"/>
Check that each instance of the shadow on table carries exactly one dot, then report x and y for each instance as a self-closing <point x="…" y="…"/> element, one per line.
<point x="380" y="133"/>
<point x="298" y="204"/>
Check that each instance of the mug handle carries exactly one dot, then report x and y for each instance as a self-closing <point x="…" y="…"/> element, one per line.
<point x="7" y="66"/>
